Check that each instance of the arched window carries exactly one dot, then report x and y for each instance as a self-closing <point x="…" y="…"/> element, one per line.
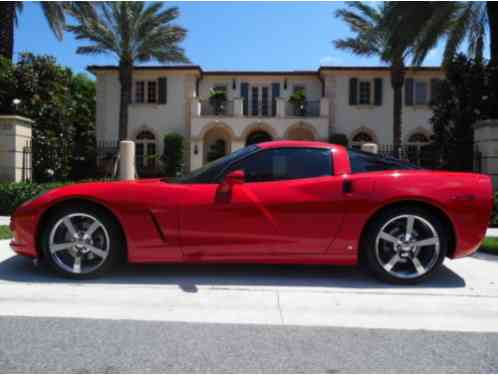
<point x="258" y="136"/>
<point x="418" y="138"/>
<point x="216" y="150"/>
<point x="360" y="138"/>
<point x="145" y="152"/>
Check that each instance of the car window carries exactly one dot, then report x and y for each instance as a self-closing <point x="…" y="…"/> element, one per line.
<point x="285" y="164"/>
<point x="366" y="162"/>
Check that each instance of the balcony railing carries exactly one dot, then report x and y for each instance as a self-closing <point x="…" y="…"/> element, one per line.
<point x="307" y="109"/>
<point x="222" y="109"/>
<point x="263" y="109"/>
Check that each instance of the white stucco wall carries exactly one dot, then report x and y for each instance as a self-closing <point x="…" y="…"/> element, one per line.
<point x="159" y="118"/>
<point x="348" y="119"/>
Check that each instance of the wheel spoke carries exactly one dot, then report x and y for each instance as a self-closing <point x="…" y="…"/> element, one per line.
<point x="77" y="264"/>
<point x="95" y="250"/>
<point x="418" y="266"/>
<point x="410" y="221"/>
<point x="60" y="246"/>
<point x="387" y="237"/>
<point x="392" y="262"/>
<point x="70" y="227"/>
<point x="427" y="242"/>
<point x="92" y="228"/>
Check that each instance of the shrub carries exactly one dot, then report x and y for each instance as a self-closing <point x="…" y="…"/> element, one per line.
<point x="339" y="139"/>
<point x="173" y="154"/>
<point x="15" y="193"/>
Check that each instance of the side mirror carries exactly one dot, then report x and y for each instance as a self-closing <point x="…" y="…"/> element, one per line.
<point x="235" y="177"/>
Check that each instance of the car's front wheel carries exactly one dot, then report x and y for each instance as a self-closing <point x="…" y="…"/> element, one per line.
<point x="81" y="241"/>
<point x="405" y="245"/>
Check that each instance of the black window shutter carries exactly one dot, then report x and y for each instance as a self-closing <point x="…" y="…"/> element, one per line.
<point x="353" y="91"/>
<point x="275" y="93"/>
<point x="163" y="90"/>
<point x="434" y="88"/>
<point x="244" y="94"/>
<point x="378" y="83"/>
<point x="409" y="91"/>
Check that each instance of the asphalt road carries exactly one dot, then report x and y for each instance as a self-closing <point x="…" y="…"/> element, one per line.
<point x="247" y="318"/>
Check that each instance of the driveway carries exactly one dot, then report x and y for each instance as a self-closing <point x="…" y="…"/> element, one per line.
<point x="263" y="317"/>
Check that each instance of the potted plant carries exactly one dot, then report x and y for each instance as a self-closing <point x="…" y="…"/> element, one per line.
<point x="217" y="99"/>
<point x="298" y="100"/>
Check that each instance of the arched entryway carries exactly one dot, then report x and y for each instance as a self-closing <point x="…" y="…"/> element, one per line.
<point x="361" y="136"/>
<point x="258" y="136"/>
<point x="300" y="132"/>
<point x="217" y="143"/>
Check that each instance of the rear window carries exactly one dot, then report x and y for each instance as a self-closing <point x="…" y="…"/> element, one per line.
<point x="367" y="162"/>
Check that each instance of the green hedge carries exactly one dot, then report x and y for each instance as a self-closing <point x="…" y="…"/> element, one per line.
<point x="15" y="193"/>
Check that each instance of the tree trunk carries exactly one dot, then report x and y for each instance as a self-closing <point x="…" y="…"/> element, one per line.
<point x="125" y="79"/>
<point x="7" y="17"/>
<point x="492" y="10"/>
<point x="397" y="80"/>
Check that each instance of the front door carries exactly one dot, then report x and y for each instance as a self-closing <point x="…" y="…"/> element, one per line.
<point x="289" y="204"/>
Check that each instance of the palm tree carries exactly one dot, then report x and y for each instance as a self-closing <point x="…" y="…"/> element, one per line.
<point x="9" y="12"/>
<point x="375" y="36"/>
<point x="455" y="22"/>
<point x="133" y="32"/>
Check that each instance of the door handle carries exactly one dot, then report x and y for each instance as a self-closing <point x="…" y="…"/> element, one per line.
<point x="347" y="187"/>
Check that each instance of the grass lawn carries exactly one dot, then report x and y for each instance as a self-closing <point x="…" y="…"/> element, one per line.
<point x="5" y="232"/>
<point x="490" y="245"/>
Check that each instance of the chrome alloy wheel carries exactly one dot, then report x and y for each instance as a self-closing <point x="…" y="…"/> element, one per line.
<point x="79" y="243"/>
<point x="407" y="246"/>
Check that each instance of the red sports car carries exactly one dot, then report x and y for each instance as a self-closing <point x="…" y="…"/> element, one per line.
<point x="275" y="202"/>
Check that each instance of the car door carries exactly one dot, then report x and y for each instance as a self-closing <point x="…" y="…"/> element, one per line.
<point x="290" y="203"/>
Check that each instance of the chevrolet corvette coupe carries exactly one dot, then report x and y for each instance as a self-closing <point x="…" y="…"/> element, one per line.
<point x="275" y="202"/>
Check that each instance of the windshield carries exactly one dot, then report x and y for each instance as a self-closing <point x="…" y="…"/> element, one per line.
<point x="210" y="171"/>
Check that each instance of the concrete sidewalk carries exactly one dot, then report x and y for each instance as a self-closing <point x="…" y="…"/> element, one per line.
<point x="4" y="220"/>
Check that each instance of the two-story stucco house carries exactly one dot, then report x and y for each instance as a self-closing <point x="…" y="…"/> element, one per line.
<point x="354" y="101"/>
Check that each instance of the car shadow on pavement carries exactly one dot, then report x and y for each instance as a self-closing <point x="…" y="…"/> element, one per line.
<point x="189" y="276"/>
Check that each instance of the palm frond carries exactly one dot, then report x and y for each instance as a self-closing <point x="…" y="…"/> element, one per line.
<point x="133" y="31"/>
<point x="54" y="13"/>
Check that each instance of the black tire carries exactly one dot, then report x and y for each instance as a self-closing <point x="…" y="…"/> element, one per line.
<point x="372" y="257"/>
<point x="116" y="243"/>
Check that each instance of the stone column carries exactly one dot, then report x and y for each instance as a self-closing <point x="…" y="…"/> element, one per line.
<point x="324" y="107"/>
<point x="238" y="107"/>
<point x="281" y="107"/>
<point x="15" y="148"/>
<point x="486" y="148"/>
<point x="126" y="160"/>
<point x="196" y="107"/>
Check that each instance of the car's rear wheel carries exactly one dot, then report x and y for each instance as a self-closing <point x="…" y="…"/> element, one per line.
<point x="405" y="245"/>
<point x="81" y="241"/>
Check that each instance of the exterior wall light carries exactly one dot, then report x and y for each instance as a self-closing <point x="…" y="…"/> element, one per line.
<point x="196" y="149"/>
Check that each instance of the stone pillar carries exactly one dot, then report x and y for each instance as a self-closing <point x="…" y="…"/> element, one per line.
<point x="281" y="107"/>
<point x="15" y="148"/>
<point x="126" y="160"/>
<point x="196" y="107"/>
<point x="486" y="148"/>
<point x="238" y="107"/>
<point x="324" y="107"/>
